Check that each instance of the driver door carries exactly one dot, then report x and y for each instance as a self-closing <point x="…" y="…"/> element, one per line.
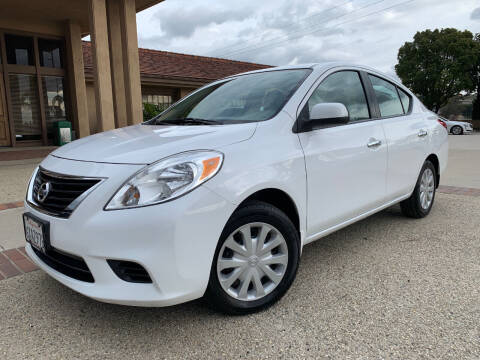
<point x="347" y="164"/>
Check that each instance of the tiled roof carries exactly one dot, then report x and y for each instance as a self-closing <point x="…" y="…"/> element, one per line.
<point x="168" y="65"/>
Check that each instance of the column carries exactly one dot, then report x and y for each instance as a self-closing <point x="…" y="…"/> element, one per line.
<point x="131" y="64"/>
<point x="101" y="65"/>
<point x="116" y="63"/>
<point x="78" y="88"/>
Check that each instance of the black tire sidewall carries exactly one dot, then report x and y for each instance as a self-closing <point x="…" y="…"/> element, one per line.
<point x="423" y="211"/>
<point x="255" y="212"/>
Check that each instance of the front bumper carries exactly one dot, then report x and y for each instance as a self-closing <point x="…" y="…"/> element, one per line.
<point x="174" y="241"/>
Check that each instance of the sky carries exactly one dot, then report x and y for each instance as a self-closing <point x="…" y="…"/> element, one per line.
<point x="281" y="32"/>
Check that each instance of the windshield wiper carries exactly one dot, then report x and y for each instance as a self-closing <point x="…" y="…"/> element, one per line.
<point x="188" y="121"/>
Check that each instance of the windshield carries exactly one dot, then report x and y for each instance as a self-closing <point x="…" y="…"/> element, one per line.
<point x="247" y="98"/>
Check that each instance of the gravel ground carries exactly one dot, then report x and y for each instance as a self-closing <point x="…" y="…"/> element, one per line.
<point x="386" y="287"/>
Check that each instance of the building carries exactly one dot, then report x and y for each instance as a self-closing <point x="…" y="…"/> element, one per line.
<point x="167" y="77"/>
<point x="47" y="73"/>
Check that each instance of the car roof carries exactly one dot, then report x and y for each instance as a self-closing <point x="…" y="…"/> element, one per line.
<point x="322" y="66"/>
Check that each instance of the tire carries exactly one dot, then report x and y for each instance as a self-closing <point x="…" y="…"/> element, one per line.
<point x="260" y="220"/>
<point x="457" y="130"/>
<point x="417" y="205"/>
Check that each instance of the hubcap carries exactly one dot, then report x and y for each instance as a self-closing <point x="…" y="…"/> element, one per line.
<point x="252" y="261"/>
<point x="457" y="130"/>
<point x="427" y="188"/>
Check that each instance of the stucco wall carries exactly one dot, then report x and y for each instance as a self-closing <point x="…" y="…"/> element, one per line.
<point x="40" y="27"/>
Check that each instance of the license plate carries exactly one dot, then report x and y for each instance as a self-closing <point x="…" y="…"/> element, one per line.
<point x="36" y="232"/>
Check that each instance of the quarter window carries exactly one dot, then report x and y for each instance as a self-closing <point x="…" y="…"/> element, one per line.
<point x="387" y="97"/>
<point x="343" y="87"/>
<point x="405" y="100"/>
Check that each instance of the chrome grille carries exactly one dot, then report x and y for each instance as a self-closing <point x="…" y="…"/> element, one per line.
<point x="65" y="192"/>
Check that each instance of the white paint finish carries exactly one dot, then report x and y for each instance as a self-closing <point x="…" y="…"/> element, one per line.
<point x="407" y="152"/>
<point x="332" y="176"/>
<point x="345" y="177"/>
<point x="141" y="144"/>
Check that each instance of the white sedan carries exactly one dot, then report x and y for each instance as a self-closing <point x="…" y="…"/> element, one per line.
<point x="218" y="195"/>
<point x="457" y="127"/>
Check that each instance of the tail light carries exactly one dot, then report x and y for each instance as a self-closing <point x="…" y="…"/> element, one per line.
<point x="443" y="123"/>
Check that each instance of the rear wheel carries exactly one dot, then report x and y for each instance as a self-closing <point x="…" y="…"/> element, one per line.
<point x="419" y="204"/>
<point x="256" y="260"/>
<point x="457" y="130"/>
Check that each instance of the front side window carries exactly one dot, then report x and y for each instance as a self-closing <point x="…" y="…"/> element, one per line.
<point x="387" y="97"/>
<point x="247" y="98"/>
<point x="343" y="87"/>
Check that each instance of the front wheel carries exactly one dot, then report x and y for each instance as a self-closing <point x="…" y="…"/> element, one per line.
<point x="419" y="204"/>
<point x="256" y="260"/>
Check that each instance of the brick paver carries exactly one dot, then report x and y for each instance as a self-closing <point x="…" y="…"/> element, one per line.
<point x="445" y="189"/>
<point x="11" y="205"/>
<point x="15" y="262"/>
<point x="7" y="269"/>
<point x="12" y="155"/>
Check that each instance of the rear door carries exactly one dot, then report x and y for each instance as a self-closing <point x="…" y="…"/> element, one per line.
<point x="406" y="133"/>
<point x="346" y="164"/>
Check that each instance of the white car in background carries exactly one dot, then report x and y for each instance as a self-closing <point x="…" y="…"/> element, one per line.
<point x="457" y="127"/>
<point x="218" y="195"/>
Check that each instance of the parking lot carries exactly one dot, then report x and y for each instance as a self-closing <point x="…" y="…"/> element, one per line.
<point x="386" y="287"/>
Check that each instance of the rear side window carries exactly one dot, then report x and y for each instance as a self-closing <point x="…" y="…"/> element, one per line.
<point x="342" y="87"/>
<point x="405" y="100"/>
<point x="387" y="97"/>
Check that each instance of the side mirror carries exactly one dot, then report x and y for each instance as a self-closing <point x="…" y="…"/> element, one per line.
<point x="326" y="115"/>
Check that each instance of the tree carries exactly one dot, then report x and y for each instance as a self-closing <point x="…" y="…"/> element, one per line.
<point x="476" y="78"/>
<point x="438" y="64"/>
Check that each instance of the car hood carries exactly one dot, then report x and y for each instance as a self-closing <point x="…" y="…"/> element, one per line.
<point x="145" y="144"/>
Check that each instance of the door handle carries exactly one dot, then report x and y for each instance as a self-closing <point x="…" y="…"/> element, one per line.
<point x="373" y="143"/>
<point x="422" y="133"/>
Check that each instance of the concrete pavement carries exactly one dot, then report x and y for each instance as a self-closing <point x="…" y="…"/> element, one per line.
<point x="463" y="161"/>
<point x="14" y="176"/>
<point x="386" y="287"/>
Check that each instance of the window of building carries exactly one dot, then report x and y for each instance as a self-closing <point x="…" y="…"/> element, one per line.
<point x="54" y="101"/>
<point x="35" y="75"/>
<point x="343" y="87"/>
<point x="387" y="97"/>
<point x="405" y="98"/>
<point x="19" y="50"/>
<point x="160" y="101"/>
<point x="51" y="53"/>
<point x="25" y="107"/>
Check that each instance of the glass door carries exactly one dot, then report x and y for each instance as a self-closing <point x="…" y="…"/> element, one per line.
<point x="33" y="72"/>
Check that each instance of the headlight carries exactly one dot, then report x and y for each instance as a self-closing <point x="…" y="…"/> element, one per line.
<point x="167" y="179"/>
